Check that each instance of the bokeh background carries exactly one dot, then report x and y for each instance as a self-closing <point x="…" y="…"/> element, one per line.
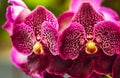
<point x="7" y="70"/>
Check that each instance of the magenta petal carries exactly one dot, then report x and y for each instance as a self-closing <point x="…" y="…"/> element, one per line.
<point x="50" y="37"/>
<point x="17" y="58"/>
<point x="72" y="40"/>
<point x="11" y="15"/>
<point x="8" y="26"/>
<point x="82" y="67"/>
<point x="75" y="4"/>
<point x="36" y="64"/>
<point x="116" y="68"/>
<point x="22" y="15"/>
<point x="48" y="75"/>
<point x="103" y="63"/>
<point x="96" y="75"/>
<point x="23" y="38"/>
<point x="13" y="12"/>
<point x="17" y="3"/>
<point x="20" y="61"/>
<point x="107" y="34"/>
<point x="109" y="14"/>
<point x="58" y="65"/>
<point x="64" y="20"/>
<point x="38" y="16"/>
<point x="87" y="16"/>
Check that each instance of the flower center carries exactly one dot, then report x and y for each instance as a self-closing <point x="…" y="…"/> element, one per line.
<point x="38" y="48"/>
<point x="91" y="48"/>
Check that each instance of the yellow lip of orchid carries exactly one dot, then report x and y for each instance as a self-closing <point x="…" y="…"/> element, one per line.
<point x="91" y="48"/>
<point x="38" y="48"/>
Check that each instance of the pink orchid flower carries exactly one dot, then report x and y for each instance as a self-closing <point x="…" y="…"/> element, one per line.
<point x="34" y="36"/>
<point x="90" y="36"/>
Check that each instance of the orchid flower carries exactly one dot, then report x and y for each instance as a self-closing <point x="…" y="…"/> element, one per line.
<point x="89" y="38"/>
<point x="34" y="36"/>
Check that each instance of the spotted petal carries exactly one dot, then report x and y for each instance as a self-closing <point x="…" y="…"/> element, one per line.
<point x="50" y="37"/>
<point x="23" y="38"/>
<point x="116" y="68"/>
<point x="87" y="16"/>
<point x="107" y="34"/>
<point x="37" y="17"/>
<point x="72" y="40"/>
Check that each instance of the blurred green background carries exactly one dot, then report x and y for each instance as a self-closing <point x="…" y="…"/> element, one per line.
<point x="55" y="6"/>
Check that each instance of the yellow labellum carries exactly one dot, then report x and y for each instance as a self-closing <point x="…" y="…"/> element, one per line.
<point x="91" y="48"/>
<point x="38" y="48"/>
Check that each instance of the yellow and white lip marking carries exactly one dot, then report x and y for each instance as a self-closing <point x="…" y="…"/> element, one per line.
<point x="91" y="48"/>
<point x="38" y="48"/>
